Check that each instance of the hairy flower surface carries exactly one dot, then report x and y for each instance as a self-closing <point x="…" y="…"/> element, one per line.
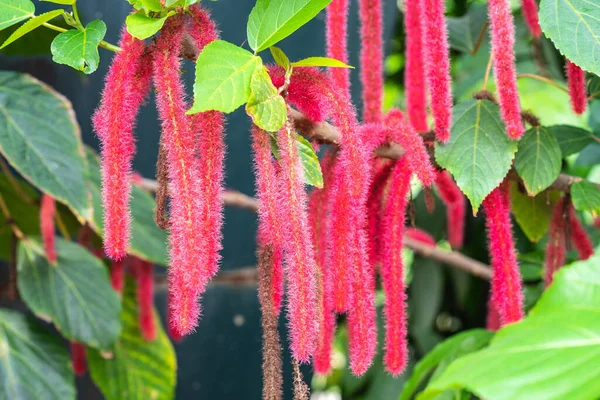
<point x="420" y="236"/>
<point x="577" y="89"/>
<point x="437" y="65"/>
<point x="556" y="249"/>
<point x="579" y="237"/>
<point x="374" y="204"/>
<point x="371" y="59"/>
<point x="414" y="73"/>
<point x="78" y="358"/>
<point x="201" y="28"/>
<point x="47" y="213"/>
<point x="507" y="291"/>
<point x="336" y="34"/>
<point x="530" y="14"/>
<point x="117" y="275"/>
<point x="145" y="298"/>
<point x="455" y="202"/>
<point x="505" y="71"/>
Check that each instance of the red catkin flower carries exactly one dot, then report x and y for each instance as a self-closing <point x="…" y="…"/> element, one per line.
<point x="78" y="358"/>
<point x="127" y="84"/>
<point x="201" y="28"/>
<point x="392" y="269"/>
<point x="188" y="275"/>
<point x="371" y="59"/>
<point x="493" y="319"/>
<point x="145" y="298"/>
<point x="507" y="293"/>
<point x="420" y="236"/>
<point x="117" y="275"/>
<point x="47" y="212"/>
<point x="171" y="326"/>
<point x="579" y="237"/>
<point x="455" y="202"/>
<point x="270" y="226"/>
<point x="556" y="249"/>
<point x="505" y="72"/>
<point x="299" y="252"/>
<point x="414" y="73"/>
<point x="401" y="131"/>
<point x="530" y="14"/>
<point x="374" y="204"/>
<point x="336" y="34"/>
<point x="437" y="64"/>
<point x="577" y="90"/>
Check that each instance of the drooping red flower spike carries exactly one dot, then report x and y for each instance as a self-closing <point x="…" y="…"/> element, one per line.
<point x="392" y="269"/>
<point x="401" y="131"/>
<point x="579" y="237"/>
<point x="127" y="84"/>
<point x="414" y="73"/>
<point x="577" y="89"/>
<point x="301" y="268"/>
<point x="336" y="34"/>
<point x="201" y="28"/>
<point x="455" y="202"/>
<point x="171" y="327"/>
<point x="556" y="249"/>
<point x="505" y="71"/>
<point x="78" y="358"/>
<point x="117" y="275"/>
<point x="47" y="213"/>
<point x="507" y="292"/>
<point x="529" y="9"/>
<point x="437" y="64"/>
<point x="493" y="319"/>
<point x="270" y="226"/>
<point x="374" y="204"/>
<point x="371" y="59"/>
<point x="188" y="275"/>
<point x="420" y="236"/>
<point x="144" y="277"/>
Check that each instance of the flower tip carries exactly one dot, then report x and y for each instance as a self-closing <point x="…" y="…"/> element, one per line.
<point x="395" y="365"/>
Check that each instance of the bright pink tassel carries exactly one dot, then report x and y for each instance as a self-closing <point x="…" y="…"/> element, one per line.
<point x="171" y="328"/>
<point x="455" y="202"/>
<point x="414" y="72"/>
<point x="299" y="253"/>
<point x="78" y="358"/>
<point x="117" y="275"/>
<point x="392" y="269"/>
<point x="336" y="34"/>
<point x="579" y="237"/>
<point x="577" y="90"/>
<point x="437" y="64"/>
<point x="371" y="59"/>
<point x="202" y="29"/>
<point x="530" y="14"/>
<point x="507" y="292"/>
<point x="420" y="236"/>
<point x="556" y="249"/>
<point x="47" y="212"/>
<point x="374" y="204"/>
<point x="505" y="72"/>
<point x="493" y="319"/>
<point x="145" y="298"/>
<point x="127" y="84"/>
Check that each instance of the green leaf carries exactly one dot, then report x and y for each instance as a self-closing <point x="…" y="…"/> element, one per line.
<point x="464" y="32"/>
<point x="533" y="214"/>
<point x="444" y="353"/>
<point x="310" y="162"/>
<point x="479" y="153"/>
<point x="15" y="11"/>
<point x="586" y="197"/>
<point x="147" y="240"/>
<point x="74" y="293"/>
<point x="48" y="154"/>
<point x="65" y="2"/>
<point x="320" y="62"/>
<point x="146" y="5"/>
<point x="34" y="363"/>
<point x="31" y="25"/>
<point x="538" y="160"/>
<point x="79" y="48"/>
<point x="280" y="58"/>
<point x="573" y="26"/>
<point x="142" y="27"/>
<point x="572" y="139"/>
<point x="139" y="369"/>
<point x="265" y="106"/>
<point x="273" y="20"/>
<point x="223" y="75"/>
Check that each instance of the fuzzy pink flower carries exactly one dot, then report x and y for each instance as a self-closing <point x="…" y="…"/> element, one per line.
<point x="299" y="253"/>
<point x="420" y="236"/>
<point x="455" y="202"/>
<point x="505" y="71"/>
<point x="336" y="33"/>
<point x="374" y="206"/>
<point x="78" y="358"/>
<point x="577" y="89"/>
<point x="171" y="326"/>
<point x="401" y="131"/>
<point x="371" y="59"/>
<point x="507" y="291"/>
<point x="579" y="237"/>
<point x="127" y="84"/>
<point x="437" y="65"/>
<point x="47" y="212"/>
<point x="414" y="73"/>
<point x="201" y="28"/>
<point x="145" y="298"/>
<point x="188" y="275"/>
<point x="392" y="269"/>
<point x="556" y="249"/>
<point x="493" y="319"/>
<point x="530" y="14"/>
<point x="117" y="275"/>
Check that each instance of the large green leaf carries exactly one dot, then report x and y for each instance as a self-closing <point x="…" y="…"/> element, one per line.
<point x="572" y="139"/>
<point x="464" y="32"/>
<point x="79" y="48"/>
<point x="223" y="75"/>
<point x="265" y="106"/>
<point x="74" y="293"/>
<point x="586" y="197"/>
<point x="31" y="25"/>
<point x="321" y="62"/>
<point x="479" y="153"/>
<point x="273" y="20"/>
<point x="15" y="11"/>
<point x="147" y="5"/>
<point x="310" y="162"/>
<point x="533" y="214"/>
<point x="34" y="363"/>
<point x="40" y="138"/>
<point x="574" y="26"/>
<point x="147" y="240"/>
<point x="138" y="369"/>
<point x="141" y="26"/>
<point x="538" y="160"/>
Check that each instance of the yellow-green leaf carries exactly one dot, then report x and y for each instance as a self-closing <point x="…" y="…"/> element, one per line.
<point x="586" y="197"/>
<point x="321" y="62"/>
<point x="280" y="57"/>
<point x="141" y="26"/>
<point x="15" y="11"/>
<point x="533" y="214"/>
<point x="265" y="106"/>
<point x="79" y="48"/>
<point x="31" y="25"/>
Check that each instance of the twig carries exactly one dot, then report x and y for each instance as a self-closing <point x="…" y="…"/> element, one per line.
<point x="9" y="219"/>
<point x="544" y="79"/>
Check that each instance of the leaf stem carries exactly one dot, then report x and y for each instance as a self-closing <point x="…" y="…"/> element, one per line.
<point x="76" y="14"/>
<point x="480" y="38"/>
<point x="488" y="69"/>
<point x="543" y="79"/>
<point x="60" y="223"/>
<point x="9" y="219"/>
<point x="103" y="44"/>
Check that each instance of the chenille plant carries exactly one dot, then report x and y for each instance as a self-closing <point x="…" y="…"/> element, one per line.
<point x="478" y="150"/>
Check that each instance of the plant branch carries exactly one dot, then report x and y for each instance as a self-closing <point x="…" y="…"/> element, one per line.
<point x="544" y="79"/>
<point x="8" y="219"/>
